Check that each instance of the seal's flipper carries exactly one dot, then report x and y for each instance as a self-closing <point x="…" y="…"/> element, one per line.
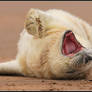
<point x="10" y="67"/>
<point x="35" y="23"/>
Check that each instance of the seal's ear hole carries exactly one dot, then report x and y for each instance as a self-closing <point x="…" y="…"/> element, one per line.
<point x="70" y="45"/>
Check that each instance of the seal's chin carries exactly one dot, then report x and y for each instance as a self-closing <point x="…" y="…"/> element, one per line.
<point x="70" y="45"/>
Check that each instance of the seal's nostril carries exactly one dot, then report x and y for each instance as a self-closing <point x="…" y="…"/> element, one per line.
<point x="87" y="59"/>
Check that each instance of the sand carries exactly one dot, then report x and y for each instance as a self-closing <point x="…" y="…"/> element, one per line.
<point x="34" y="84"/>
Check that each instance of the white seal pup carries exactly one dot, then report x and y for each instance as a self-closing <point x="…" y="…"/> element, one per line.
<point x="54" y="44"/>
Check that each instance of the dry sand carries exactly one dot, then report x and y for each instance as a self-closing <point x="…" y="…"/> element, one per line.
<point x="34" y="84"/>
<point x="12" y="15"/>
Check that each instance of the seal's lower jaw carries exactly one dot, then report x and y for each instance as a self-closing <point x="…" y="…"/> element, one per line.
<point x="70" y="45"/>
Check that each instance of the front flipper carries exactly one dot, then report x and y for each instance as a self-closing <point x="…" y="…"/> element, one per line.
<point x="10" y="67"/>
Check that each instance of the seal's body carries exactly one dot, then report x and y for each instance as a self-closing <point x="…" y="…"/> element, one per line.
<point x="53" y="44"/>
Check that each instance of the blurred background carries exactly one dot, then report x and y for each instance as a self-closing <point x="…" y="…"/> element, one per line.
<point x="12" y="16"/>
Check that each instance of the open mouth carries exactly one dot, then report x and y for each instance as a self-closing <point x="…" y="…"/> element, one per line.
<point x="70" y="45"/>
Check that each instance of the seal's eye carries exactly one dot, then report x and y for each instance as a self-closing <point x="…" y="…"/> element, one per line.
<point x="70" y="45"/>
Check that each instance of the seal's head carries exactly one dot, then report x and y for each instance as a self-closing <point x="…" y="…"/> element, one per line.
<point x="80" y="57"/>
<point x="72" y="59"/>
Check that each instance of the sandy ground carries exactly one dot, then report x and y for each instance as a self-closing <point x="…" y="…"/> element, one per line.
<point x="12" y="16"/>
<point x="34" y="84"/>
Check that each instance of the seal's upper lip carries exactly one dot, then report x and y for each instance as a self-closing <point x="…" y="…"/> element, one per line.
<point x="70" y="45"/>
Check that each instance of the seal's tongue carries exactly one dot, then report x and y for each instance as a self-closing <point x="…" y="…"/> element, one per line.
<point x="70" y="44"/>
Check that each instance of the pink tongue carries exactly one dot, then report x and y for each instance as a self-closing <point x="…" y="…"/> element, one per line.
<point x="70" y="46"/>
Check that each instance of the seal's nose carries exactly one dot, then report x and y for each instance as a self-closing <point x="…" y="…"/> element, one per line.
<point x="87" y="58"/>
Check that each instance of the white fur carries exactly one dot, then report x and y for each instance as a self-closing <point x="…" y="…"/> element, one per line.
<point x="30" y="48"/>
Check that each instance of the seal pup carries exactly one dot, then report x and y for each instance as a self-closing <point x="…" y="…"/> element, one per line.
<point x="54" y="44"/>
